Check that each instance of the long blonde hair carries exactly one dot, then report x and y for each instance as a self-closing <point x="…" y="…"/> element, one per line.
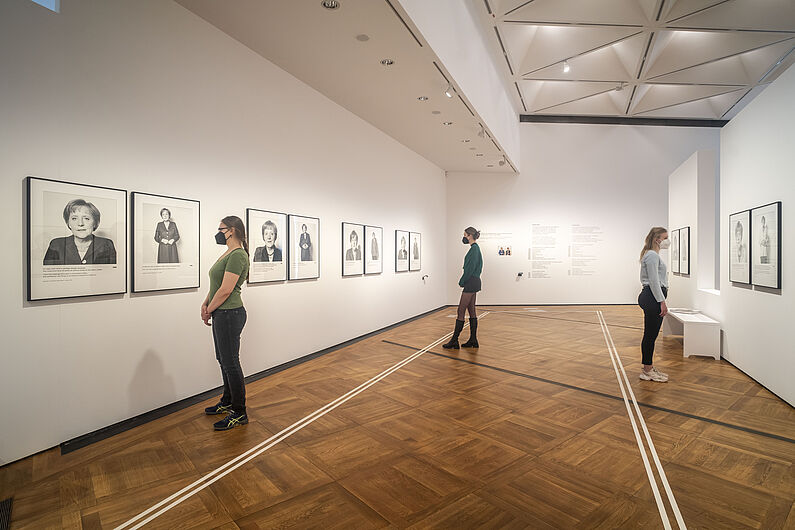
<point x="653" y="234"/>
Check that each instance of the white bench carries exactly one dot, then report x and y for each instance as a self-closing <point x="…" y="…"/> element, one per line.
<point x="701" y="333"/>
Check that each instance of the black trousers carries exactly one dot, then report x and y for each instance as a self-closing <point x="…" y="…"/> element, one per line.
<point x="227" y="326"/>
<point x="652" y="321"/>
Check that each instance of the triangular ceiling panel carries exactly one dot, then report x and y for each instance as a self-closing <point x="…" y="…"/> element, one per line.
<point x="658" y="96"/>
<point x="616" y="12"/>
<point x="769" y="15"/>
<point x="649" y="8"/>
<point x="690" y="48"/>
<point x="533" y="47"/>
<point x="607" y="104"/>
<point x="676" y="9"/>
<point x="539" y="95"/>
<point x="724" y="102"/>
<point x="745" y="68"/>
<point x="712" y="108"/>
<point x="611" y="63"/>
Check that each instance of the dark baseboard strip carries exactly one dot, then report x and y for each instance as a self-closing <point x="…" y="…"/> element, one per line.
<point x="602" y="394"/>
<point x="5" y="514"/>
<point x="620" y="120"/>
<point x="136" y="421"/>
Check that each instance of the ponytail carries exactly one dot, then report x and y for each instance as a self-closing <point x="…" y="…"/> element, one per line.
<point x="236" y="222"/>
<point x="653" y="234"/>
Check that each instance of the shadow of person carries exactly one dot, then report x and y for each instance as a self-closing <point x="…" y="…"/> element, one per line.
<point x="150" y="383"/>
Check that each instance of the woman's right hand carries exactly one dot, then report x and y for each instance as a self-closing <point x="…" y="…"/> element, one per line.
<point x="663" y="308"/>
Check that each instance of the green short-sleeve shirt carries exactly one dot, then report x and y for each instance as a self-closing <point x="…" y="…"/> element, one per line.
<point x="235" y="262"/>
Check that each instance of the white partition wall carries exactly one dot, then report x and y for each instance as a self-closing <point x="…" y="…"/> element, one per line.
<point x="146" y="96"/>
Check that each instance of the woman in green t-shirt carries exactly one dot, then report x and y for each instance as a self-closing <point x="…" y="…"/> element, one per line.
<point x="224" y="307"/>
<point x="470" y="281"/>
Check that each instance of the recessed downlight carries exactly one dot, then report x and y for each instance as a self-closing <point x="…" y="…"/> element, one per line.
<point x="387" y="62"/>
<point x="447" y="123"/>
<point x="362" y="37"/>
<point x="423" y="98"/>
<point x="472" y="148"/>
<point x="436" y="112"/>
<point x="489" y="165"/>
<point x="478" y="154"/>
<point x="465" y="140"/>
<point x="330" y="4"/>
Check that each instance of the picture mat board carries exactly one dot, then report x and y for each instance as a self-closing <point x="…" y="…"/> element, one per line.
<point x="374" y="251"/>
<point x="740" y="250"/>
<point x="304" y="261"/>
<point x="262" y="270"/>
<point x="766" y="253"/>
<point x="415" y="251"/>
<point x="401" y="251"/>
<point x="684" y="250"/>
<point x="675" y="251"/>
<point x="351" y="266"/>
<point x="148" y="273"/>
<point x="46" y="200"/>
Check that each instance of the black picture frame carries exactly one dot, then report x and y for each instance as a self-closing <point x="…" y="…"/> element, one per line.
<point x="766" y="272"/>
<point x="296" y="258"/>
<point x="106" y="278"/>
<point x="400" y="266"/>
<point x="368" y="259"/>
<point x="193" y="266"/>
<point x="254" y="274"/>
<point x="674" y="236"/>
<point x="684" y="251"/>
<point x="351" y="267"/>
<point x="415" y="264"/>
<point x="740" y="249"/>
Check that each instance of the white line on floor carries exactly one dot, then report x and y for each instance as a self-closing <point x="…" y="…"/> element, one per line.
<point x="211" y="477"/>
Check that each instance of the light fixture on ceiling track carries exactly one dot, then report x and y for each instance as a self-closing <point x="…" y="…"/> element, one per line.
<point x="330" y="4"/>
<point x="423" y="98"/>
<point x="447" y="123"/>
<point x="387" y="62"/>
<point x="502" y="161"/>
<point x="566" y="67"/>
<point x="449" y="91"/>
<point x="482" y="132"/>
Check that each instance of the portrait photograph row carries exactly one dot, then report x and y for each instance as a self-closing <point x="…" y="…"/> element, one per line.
<point x="680" y="251"/>
<point x="408" y="251"/>
<point x="271" y="259"/>
<point x="362" y="249"/>
<point x="755" y="246"/>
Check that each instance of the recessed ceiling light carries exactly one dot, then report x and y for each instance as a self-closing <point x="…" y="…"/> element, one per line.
<point x="330" y="4"/>
<point x="362" y="37"/>
<point x="387" y="62"/>
<point x="489" y="165"/>
<point x="478" y="154"/>
<point x="472" y="148"/>
<point x="447" y="123"/>
<point x="423" y="98"/>
<point x="436" y="112"/>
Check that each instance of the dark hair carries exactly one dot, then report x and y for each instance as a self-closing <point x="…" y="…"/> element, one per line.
<point x="272" y="226"/>
<point x="353" y="234"/>
<point x="304" y="227"/>
<point x="472" y="232"/>
<point x="74" y="204"/>
<point x="165" y="210"/>
<point x="236" y="222"/>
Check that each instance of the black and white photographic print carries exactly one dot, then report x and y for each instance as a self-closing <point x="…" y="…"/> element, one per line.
<point x="352" y="249"/>
<point x="401" y="251"/>
<point x="674" y="236"/>
<point x="165" y="243"/>
<point x="415" y="258"/>
<point x="77" y="240"/>
<point x="304" y="236"/>
<point x="766" y="246"/>
<point x="739" y="247"/>
<point x="267" y="238"/>
<point x="684" y="250"/>
<point x="373" y="247"/>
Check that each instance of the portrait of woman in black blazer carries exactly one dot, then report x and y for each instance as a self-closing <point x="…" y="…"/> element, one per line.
<point x="82" y="247"/>
<point x="268" y="252"/>
<point x="403" y="253"/>
<point x="167" y="235"/>
<point x="306" y="244"/>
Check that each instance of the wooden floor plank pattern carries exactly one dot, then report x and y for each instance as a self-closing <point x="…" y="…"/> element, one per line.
<point x="528" y="431"/>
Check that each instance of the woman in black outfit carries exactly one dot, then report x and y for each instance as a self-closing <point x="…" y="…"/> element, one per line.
<point x="654" y="279"/>
<point x="470" y="281"/>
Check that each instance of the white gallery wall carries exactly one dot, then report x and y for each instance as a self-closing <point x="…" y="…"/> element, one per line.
<point x="145" y="96"/>
<point x="598" y="188"/>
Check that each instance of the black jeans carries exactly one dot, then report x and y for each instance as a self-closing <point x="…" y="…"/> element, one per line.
<point x="652" y="321"/>
<point x="227" y="326"/>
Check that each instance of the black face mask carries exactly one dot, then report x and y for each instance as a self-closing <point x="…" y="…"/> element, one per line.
<point x="220" y="238"/>
<point x="465" y="240"/>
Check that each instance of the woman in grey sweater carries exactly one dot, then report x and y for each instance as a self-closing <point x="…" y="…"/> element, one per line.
<point x="654" y="278"/>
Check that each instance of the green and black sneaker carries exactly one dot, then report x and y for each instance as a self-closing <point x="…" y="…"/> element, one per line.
<point x="218" y="408"/>
<point x="232" y="419"/>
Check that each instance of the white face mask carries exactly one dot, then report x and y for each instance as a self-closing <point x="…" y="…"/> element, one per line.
<point x="665" y="243"/>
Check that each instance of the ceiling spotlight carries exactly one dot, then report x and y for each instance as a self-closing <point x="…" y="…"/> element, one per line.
<point x="423" y="98"/>
<point x="447" y="123"/>
<point x="566" y="67"/>
<point x="449" y="91"/>
<point x="482" y="132"/>
<point x="330" y="4"/>
<point x="502" y="161"/>
<point x="620" y="86"/>
<point x="387" y="62"/>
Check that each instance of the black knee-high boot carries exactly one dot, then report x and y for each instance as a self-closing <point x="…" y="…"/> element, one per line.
<point x="473" y="334"/>
<point x="452" y="344"/>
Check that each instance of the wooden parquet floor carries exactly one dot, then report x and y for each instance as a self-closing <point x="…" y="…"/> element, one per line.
<point x="528" y="431"/>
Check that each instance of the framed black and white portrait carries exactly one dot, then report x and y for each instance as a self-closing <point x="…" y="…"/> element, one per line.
<point x="267" y="237"/>
<point x="766" y="246"/>
<point x="684" y="250"/>
<point x="674" y="236"/>
<point x="415" y="250"/>
<point x="352" y="249"/>
<point x="401" y="251"/>
<point x="304" y="236"/>
<point x="77" y="240"/>
<point x="739" y="247"/>
<point x="373" y="249"/>
<point x="165" y="243"/>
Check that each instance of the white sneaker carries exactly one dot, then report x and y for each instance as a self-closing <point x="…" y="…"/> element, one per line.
<point x="663" y="375"/>
<point x="653" y="375"/>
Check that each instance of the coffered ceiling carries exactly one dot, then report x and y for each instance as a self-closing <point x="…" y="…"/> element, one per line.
<point x="700" y="59"/>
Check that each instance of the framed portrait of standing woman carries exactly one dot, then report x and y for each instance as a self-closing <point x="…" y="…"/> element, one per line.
<point x="401" y="251"/>
<point x="415" y="256"/>
<point x="304" y="239"/>
<point x="165" y="243"/>
<point x="674" y="251"/>
<point x="373" y="249"/>
<point x="766" y="247"/>
<point x="739" y="249"/>
<point x="267" y="237"/>
<point x="76" y="240"/>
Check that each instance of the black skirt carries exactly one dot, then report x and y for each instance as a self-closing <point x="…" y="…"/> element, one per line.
<point x="472" y="285"/>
